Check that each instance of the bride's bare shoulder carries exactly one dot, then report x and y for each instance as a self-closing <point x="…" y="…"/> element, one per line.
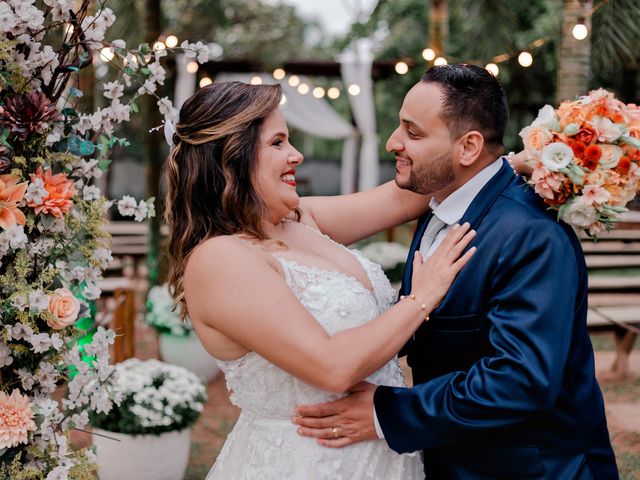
<point x="217" y="253"/>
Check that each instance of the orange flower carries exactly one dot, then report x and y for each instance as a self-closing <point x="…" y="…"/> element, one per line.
<point x="624" y="165"/>
<point x="60" y="189"/>
<point x="16" y="419"/>
<point x="593" y="152"/>
<point x="11" y="193"/>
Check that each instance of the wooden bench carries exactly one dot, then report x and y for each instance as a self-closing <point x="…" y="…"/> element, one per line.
<point x="614" y="287"/>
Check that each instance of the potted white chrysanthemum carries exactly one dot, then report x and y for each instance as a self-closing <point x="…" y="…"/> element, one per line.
<point x="147" y="433"/>
<point x="178" y="343"/>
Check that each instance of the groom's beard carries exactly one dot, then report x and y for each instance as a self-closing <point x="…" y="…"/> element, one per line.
<point x="430" y="176"/>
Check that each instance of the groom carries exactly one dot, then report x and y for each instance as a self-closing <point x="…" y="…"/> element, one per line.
<point x="503" y="371"/>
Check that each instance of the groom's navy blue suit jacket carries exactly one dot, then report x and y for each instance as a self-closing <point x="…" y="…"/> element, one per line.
<point x="504" y="381"/>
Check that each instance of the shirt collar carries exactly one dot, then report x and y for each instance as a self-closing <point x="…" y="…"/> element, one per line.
<point x="453" y="207"/>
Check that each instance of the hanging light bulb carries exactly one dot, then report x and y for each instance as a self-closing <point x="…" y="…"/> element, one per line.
<point x="318" y="92"/>
<point x="525" y="59"/>
<point x="204" y="81"/>
<point x="279" y="73"/>
<point x="171" y="41"/>
<point x="192" y="67"/>
<point x="580" y="30"/>
<point x="354" y="89"/>
<point x="428" y="54"/>
<point x="256" y="80"/>
<point x="303" y="89"/>
<point x="440" y="61"/>
<point x="294" y="80"/>
<point x="402" y="68"/>
<point x="493" y="69"/>
<point x="333" y="93"/>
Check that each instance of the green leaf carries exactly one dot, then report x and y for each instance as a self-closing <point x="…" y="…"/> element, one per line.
<point x="4" y="137"/>
<point x="73" y="145"/>
<point x="104" y="163"/>
<point x="129" y="70"/>
<point x="145" y="70"/>
<point x="69" y="112"/>
<point x="134" y="107"/>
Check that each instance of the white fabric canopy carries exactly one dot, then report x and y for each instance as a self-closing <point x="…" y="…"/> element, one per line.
<point x="355" y="66"/>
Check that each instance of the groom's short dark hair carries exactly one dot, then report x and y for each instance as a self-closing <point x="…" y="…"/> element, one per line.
<point x="473" y="100"/>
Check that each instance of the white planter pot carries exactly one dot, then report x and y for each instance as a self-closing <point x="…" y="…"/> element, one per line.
<point x="142" y="457"/>
<point x="189" y="353"/>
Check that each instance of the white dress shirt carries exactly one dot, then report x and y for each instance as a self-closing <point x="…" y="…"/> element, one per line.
<point x="450" y="211"/>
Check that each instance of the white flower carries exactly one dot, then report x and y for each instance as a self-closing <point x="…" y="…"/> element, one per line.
<point x="611" y="155"/>
<point x="118" y="43"/>
<point x="547" y="118"/>
<point x="147" y="87"/>
<point x="127" y="206"/>
<point x="38" y="301"/>
<point x="607" y="130"/>
<point x="167" y="109"/>
<point x="16" y="237"/>
<point x="141" y="211"/>
<point x="578" y="213"/>
<point x="7" y="18"/>
<point x="90" y="192"/>
<point x="36" y="192"/>
<point x="556" y="156"/>
<point x="102" y="256"/>
<point x="113" y="90"/>
<point x="27" y="380"/>
<point x="5" y="355"/>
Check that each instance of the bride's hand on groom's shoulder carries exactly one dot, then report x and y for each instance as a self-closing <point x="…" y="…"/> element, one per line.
<point x="340" y="423"/>
<point x="432" y="278"/>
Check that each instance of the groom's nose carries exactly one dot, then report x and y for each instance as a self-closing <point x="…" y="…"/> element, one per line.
<point x="394" y="144"/>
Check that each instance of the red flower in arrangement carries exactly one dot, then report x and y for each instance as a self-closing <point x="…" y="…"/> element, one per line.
<point x="624" y="165"/>
<point x="578" y="148"/>
<point x="60" y="190"/>
<point x="585" y="135"/>
<point x="28" y="113"/>
<point x="591" y="156"/>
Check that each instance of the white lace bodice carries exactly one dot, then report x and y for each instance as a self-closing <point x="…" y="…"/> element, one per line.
<point x="264" y="443"/>
<point x="337" y="301"/>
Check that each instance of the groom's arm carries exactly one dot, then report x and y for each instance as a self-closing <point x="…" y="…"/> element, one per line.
<point x="534" y="291"/>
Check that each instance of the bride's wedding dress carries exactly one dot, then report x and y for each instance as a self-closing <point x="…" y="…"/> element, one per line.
<point x="264" y="444"/>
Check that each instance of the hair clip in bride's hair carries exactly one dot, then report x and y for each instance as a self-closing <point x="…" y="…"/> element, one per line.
<point x="169" y="130"/>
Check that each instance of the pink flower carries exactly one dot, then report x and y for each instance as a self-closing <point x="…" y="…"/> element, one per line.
<point x="16" y="419"/>
<point x="595" y="194"/>
<point x="546" y="184"/>
<point x="64" y="308"/>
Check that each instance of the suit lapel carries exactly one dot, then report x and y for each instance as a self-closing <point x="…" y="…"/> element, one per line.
<point x="487" y="196"/>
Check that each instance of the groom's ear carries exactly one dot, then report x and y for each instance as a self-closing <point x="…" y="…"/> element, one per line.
<point x="470" y="145"/>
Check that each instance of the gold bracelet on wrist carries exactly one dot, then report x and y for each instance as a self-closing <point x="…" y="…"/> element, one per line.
<point x="423" y="306"/>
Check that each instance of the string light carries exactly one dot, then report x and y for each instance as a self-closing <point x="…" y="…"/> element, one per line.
<point x="303" y="89"/>
<point x="204" y="81"/>
<point x="493" y="69"/>
<point x="107" y="54"/>
<point x="580" y="30"/>
<point x="294" y="80"/>
<point x="171" y="41"/>
<point x="402" y="68"/>
<point x="440" y="61"/>
<point x="318" y="92"/>
<point x="256" y="80"/>
<point x="279" y="73"/>
<point x="525" y="59"/>
<point x="192" y="67"/>
<point x="159" y="46"/>
<point x="428" y="54"/>
<point x="333" y="93"/>
<point x="354" y="89"/>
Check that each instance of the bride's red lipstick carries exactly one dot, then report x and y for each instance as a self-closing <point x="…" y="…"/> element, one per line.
<point x="289" y="181"/>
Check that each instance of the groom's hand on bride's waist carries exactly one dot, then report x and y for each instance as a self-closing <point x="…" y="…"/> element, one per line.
<point x="343" y="422"/>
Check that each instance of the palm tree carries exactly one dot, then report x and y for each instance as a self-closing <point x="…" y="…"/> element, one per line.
<point x="574" y="56"/>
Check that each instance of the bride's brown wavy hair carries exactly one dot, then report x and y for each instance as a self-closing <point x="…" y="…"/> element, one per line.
<point x="209" y="171"/>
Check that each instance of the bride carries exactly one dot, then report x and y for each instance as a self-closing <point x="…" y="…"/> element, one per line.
<point x="292" y="316"/>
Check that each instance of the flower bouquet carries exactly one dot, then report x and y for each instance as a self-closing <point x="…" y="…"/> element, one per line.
<point x="161" y="315"/>
<point x="147" y="432"/>
<point x="586" y="159"/>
